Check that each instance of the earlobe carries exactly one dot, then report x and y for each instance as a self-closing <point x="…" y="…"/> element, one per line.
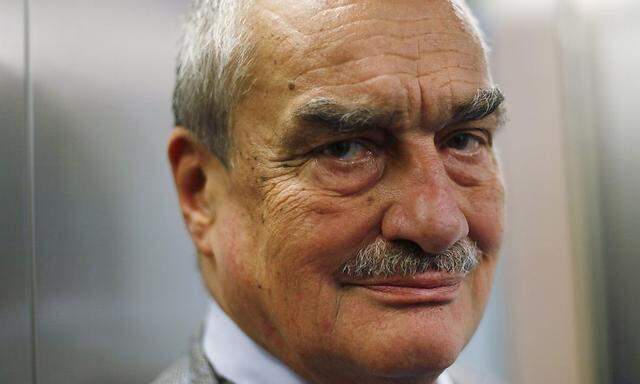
<point x="188" y="159"/>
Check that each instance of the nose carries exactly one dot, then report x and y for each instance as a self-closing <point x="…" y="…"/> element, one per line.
<point x="426" y="212"/>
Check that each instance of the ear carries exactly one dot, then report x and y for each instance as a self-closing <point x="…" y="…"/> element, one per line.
<point x="194" y="169"/>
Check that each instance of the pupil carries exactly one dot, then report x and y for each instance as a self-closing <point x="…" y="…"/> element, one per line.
<point x="341" y="149"/>
<point x="460" y="141"/>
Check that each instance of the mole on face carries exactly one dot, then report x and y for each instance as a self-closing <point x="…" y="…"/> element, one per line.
<point x="291" y="85"/>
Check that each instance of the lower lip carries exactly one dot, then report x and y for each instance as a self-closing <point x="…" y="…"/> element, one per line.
<point x="436" y="292"/>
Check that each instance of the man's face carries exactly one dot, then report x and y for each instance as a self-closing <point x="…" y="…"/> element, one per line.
<point x="352" y="133"/>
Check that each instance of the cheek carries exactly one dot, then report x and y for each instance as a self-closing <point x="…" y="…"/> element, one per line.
<point x="484" y="209"/>
<point x="232" y="242"/>
<point x="319" y="240"/>
<point x="227" y="239"/>
<point x="240" y="278"/>
<point x="304" y="254"/>
<point x="311" y="230"/>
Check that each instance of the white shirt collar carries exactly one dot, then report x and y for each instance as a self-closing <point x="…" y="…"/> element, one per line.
<point x="238" y="358"/>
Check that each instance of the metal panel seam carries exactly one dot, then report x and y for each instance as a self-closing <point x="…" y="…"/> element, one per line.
<point x="29" y="124"/>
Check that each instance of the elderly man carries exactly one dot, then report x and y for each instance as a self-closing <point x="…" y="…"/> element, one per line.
<point x="335" y="167"/>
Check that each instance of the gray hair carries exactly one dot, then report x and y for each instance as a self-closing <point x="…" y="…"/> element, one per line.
<point x="382" y="258"/>
<point x="213" y="68"/>
<point x="212" y="72"/>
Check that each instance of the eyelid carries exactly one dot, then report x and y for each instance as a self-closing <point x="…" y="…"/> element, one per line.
<point x="368" y="144"/>
<point x="486" y="137"/>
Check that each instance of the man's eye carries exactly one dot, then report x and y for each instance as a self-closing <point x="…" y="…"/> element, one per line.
<point x="347" y="166"/>
<point x="348" y="150"/>
<point x="464" y="142"/>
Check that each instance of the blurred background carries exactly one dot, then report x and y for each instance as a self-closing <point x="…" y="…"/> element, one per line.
<point x="98" y="280"/>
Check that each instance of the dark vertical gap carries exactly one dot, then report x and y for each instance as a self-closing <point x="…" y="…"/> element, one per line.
<point x="31" y="247"/>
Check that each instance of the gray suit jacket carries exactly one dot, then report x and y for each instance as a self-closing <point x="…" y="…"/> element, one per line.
<point x="193" y="369"/>
<point x="196" y="369"/>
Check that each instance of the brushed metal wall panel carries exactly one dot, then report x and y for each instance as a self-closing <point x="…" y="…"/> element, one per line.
<point x="118" y="288"/>
<point x="15" y="257"/>
<point x="617" y="59"/>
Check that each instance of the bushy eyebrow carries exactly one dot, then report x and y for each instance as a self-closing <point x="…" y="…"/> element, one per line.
<point x="329" y="117"/>
<point x="485" y="102"/>
<point x="342" y="118"/>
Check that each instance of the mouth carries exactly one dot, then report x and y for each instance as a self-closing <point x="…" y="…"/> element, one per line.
<point x="437" y="288"/>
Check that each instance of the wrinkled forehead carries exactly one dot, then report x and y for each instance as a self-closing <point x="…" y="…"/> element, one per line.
<point x="391" y="51"/>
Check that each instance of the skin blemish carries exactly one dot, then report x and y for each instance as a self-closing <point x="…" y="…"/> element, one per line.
<point x="291" y="85"/>
<point x="327" y="326"/>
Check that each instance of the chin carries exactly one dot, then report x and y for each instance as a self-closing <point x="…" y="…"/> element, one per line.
<point x="414" y="354"/>
<point x="410" y="342"/>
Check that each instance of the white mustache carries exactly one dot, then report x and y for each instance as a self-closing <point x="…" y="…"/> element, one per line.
<point x="383" y="258"/>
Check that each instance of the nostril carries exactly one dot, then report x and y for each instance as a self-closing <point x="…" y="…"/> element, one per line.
<point x="438" y="245"/>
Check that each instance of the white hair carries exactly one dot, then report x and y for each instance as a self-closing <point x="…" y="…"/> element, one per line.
<point x="213" y="66"/>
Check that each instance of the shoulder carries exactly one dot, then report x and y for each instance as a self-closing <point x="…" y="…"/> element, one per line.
<point x="178" y="373"/>
<point x="464" y="375"/>
<point x="194" y="369"/>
